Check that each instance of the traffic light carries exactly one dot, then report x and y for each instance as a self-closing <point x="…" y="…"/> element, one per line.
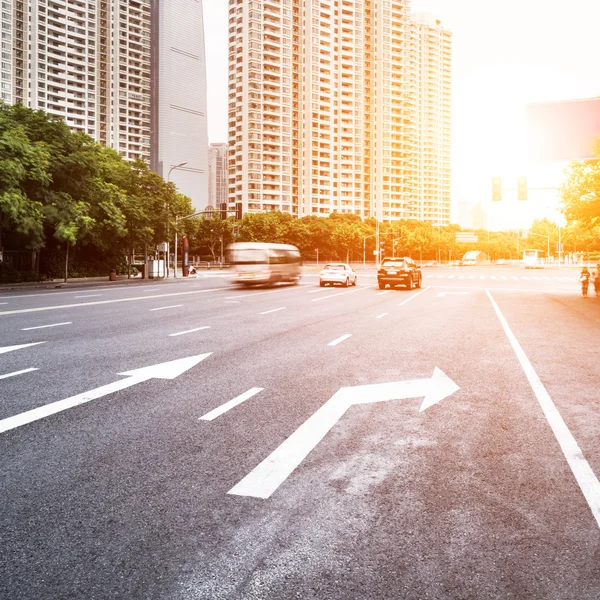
<point x="224" y="211"/>
<point x="496" y="189"/>
<point x="522" y="188"/>
<point x="238" y="211"/>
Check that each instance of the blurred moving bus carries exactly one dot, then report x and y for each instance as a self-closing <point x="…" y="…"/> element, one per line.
<point x="256" y="263"/>
<point x="534" y="259"/>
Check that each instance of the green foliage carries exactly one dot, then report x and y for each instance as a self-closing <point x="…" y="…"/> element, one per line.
<point x="581" y="192"/>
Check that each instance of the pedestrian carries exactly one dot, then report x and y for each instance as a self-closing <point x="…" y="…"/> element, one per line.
<point x="584" y="279"/>
<point x="596" y="279"/>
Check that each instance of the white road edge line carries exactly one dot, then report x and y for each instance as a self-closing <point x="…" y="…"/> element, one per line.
<point x="17" y="373"/>
<point x="340" y="340"/>
<point x="189" y="331"/>
<point x="46" y="326"/>
<point x="586" y="478"/>
<point x="381" y="316"/>
<point x="268" y="312"/>
<point x="166" y="307"/>
<point x="217" y="412"/>
<point x="413" y="297"/>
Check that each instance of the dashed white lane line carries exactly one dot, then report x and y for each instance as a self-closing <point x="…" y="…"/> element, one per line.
<point x="384" y="293"/>
<point x="217" y="412"/>
<point x="189" y="331"/>
<point x="88" y="296"/>
<point x="46" y="326"/>
<point x="340" y="340"/>
<point x="381" y="315"/>
<point x="338" y="294"/>
<point x="166" y="307"/>
<point x="15" y="373"/>
<point x="2" y="303"/>
<point x="317" y="291"/>
<point x="268" y="312"/>
<point x="586" y="478"/>
<point x="19" y="347"/>
<point x="413" y="297"/>
<point x="99" y="302"/>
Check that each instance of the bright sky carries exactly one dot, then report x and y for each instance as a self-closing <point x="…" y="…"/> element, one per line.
<point x="505" y="53"/>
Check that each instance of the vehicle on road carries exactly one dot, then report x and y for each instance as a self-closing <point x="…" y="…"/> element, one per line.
<point x="399" y="271"/>
<point x="338" y="273"/>
<point x="473" y="258"/>
<point x="431" y="263"/>
<point x="255" y="263"/>
<point x="534" y="259"/>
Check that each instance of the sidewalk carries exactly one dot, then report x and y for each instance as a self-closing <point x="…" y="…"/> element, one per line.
<point x="80" y="282"/>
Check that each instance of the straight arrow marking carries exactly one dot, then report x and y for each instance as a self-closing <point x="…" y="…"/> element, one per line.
<point x="19" y="347"/>
<point x="279" y="465"/>
<point x="169" y="370"/>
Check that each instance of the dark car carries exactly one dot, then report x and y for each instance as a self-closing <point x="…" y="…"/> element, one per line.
<point x="399" y="271"/>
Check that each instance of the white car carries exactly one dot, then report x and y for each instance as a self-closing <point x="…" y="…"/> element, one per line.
<point x="338" y="273"/>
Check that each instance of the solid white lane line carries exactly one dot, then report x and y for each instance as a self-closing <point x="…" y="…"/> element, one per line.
<point x="340" y="340"/>
<point x="381" y="315"/>
<point x="338" y="294"/>
<point x="586" y="478"/>
<point x="414" y="296"/>
<point x="19" y="347"/>
<point x="189" y="331"/>
<point x="384" y="293"/>
<point x="17" y="373"/>
<point x="268" y="312"/>
<point x="217" y="412"/>
<point x="46" y="326"/>
<point x="88" y="296"/>
<point x="166" y="307"/>
<point x="99" y="302"/>
<point x="317" y="291"/>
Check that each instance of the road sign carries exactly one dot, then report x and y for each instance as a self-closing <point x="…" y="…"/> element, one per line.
<point x="279" y="465"/>
<point x="375" y="252"/>
<point x="167" y="370"/>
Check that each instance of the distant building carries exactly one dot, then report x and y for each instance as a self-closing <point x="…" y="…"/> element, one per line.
<point x="217" y="175"/>
<point x="129" y="74"/>
<point x="339" y="107"/>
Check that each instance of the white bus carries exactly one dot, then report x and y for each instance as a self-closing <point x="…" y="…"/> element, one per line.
<point x="534" y="259"/>
<point x="255" y="263"/>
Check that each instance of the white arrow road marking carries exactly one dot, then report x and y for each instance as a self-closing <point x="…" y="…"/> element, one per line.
<point x="213" y="414"/>
<point x="189" y="331"/>
<point x="19" y="347"/>
<point x="168" y="370"/>
<point x="586" y="478"/>
<point x="262" y="481"/>
<point x="46" y="326"/>
<point x="442" y="294"/>
<point x="340" y="340"/>
<point x="13" y="374"/>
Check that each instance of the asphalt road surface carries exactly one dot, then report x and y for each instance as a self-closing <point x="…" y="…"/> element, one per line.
<point x="190" y="440"/>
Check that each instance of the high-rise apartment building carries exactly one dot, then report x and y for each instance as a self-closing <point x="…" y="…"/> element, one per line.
<point x="218" y="189"/>
<point x="433" y="112"/>
<point x="129" y="73"/>
<point x="323" y="110"/>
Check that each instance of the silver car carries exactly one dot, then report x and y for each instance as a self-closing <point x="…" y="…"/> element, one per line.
<point x="340" y="273"/>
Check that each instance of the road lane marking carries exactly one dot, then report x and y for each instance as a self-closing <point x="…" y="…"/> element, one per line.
<point x="169" y="370"/>
<point x="19" y="347"/>
<point x="99" y="302"/>
<point x="88" y="296"/>
<point x="189" y="331"/>
<point x="3" y="303"/>
<point x="46" y="326"/>
<point x="443" y="294"/>
<point x="381" y="315"/>
<point x="340" y="340"/>
<point x="317" y="291"/>
<point x="286" y="289"/>
<point x="17" y="373"/>
<point x="586" y="478"/>
<point x="166" y="307"/>
<point x="217" y="412"/>
<point x="383" y="293"/>
<point x="413" y="296"/>
<point x="268" y="312"/>
<point x="338" y="294"/>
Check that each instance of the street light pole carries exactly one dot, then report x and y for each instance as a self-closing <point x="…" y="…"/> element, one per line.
<point x="365" y="248"/>
<point x="168" y="241"/>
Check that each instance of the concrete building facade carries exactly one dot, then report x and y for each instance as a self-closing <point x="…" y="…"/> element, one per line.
<point x="323" y="112"/>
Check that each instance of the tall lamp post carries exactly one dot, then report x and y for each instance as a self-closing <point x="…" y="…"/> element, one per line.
<point x="168" y="233"/>
<point x="365" y="248"/>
